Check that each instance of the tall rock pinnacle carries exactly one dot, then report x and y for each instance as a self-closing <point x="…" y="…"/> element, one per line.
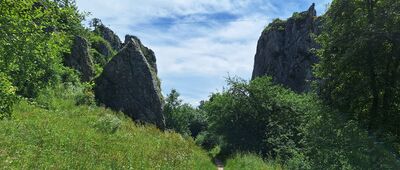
<point x="283" y="50"/>
<point x="129" y="84"/>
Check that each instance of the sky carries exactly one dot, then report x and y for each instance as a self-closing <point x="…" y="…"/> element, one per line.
<point x="197" y="43"/>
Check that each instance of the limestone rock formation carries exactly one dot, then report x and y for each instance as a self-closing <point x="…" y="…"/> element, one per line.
<point x="129" y="84"/>
<point x="148" y="53"/>
<point x="80" y="59"/>
<point x="109" y="36"/>
<point x="283" y="50"/>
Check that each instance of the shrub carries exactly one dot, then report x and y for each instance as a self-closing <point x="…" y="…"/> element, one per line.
<point x="86" y="97"/>
<point x="7" y="97"/>
<point x="108" y="123"/>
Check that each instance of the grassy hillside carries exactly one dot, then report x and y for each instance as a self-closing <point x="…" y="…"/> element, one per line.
<point x="66" y="136"/>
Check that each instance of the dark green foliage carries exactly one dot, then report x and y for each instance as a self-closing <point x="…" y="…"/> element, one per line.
<point x="335" y="142"/>
<point x="7" y="97"/>
<point x="183" y="118"/>
<point x="258" y="117"/>
<point x="359" y="61"/>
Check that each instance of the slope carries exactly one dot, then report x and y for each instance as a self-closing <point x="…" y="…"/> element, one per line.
<point x="55" y="133"/>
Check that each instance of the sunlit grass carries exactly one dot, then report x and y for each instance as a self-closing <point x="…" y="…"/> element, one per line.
<point x="89" y="137"/>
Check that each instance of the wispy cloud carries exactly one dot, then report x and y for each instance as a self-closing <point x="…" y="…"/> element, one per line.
<point x="197" y="43"/>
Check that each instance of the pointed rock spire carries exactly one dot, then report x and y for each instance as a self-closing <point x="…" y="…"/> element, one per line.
<point x="129" y="84"/>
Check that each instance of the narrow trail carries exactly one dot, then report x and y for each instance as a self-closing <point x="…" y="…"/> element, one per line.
<point x="220" y="165"/>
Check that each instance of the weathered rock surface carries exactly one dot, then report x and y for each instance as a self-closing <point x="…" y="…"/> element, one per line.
<point x="109" y="36"/>
<point x="129" y="84"/>
<point x="283" y="50"/>
<point x="148" y="53"/>
<point x="80" y="59"/>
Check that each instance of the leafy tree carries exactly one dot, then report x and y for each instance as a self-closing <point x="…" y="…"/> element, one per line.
<point x="258" y="117"/>
<point x="359" y="64"/>
<point x="182" y="117"/>
<point x="33" y="37"/>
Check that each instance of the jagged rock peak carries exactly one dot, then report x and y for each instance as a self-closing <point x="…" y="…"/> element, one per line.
<point x="80" y="58"/>
<point x="128" y="84"/>
<point x="312" y="11"/>
<point x="148" y="53"/>
<point x="109" y="36"/>
<point x="283" y="50"/>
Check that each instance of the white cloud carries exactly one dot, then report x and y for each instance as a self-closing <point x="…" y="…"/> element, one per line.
<point x="210" y="49"/>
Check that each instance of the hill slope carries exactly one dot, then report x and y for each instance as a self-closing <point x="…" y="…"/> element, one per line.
<point x="89" y="137"/>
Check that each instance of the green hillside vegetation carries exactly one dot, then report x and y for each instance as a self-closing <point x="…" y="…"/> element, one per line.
<point x="350" y="118"/>
<point x="67" y="136"/>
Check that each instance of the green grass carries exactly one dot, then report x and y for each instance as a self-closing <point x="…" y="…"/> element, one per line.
<point x="66" y="136"/>
<point x="250" y="162"/>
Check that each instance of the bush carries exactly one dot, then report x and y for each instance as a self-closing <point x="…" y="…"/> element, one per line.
<point x="86" y="97"/>
<point x="7" y="97"/>
<point x="108" y="123"/>
<point x="258" y="117"/>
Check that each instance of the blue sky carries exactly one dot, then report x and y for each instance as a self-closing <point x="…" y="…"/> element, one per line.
<point x="198" y="43"/>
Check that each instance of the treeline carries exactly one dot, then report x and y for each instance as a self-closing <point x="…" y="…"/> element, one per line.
<point x="350" y="120"/>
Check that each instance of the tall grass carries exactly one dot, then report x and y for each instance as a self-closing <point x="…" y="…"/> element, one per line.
<point x="54" y="133"/>
<point x="250" y="162"/>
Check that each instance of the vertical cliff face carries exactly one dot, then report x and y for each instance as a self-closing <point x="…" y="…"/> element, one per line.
<point x="283" y="50"/>
<point x="129" y="84"/>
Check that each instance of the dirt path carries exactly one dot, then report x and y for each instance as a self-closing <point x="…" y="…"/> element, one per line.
<point x="220" y="165"/>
